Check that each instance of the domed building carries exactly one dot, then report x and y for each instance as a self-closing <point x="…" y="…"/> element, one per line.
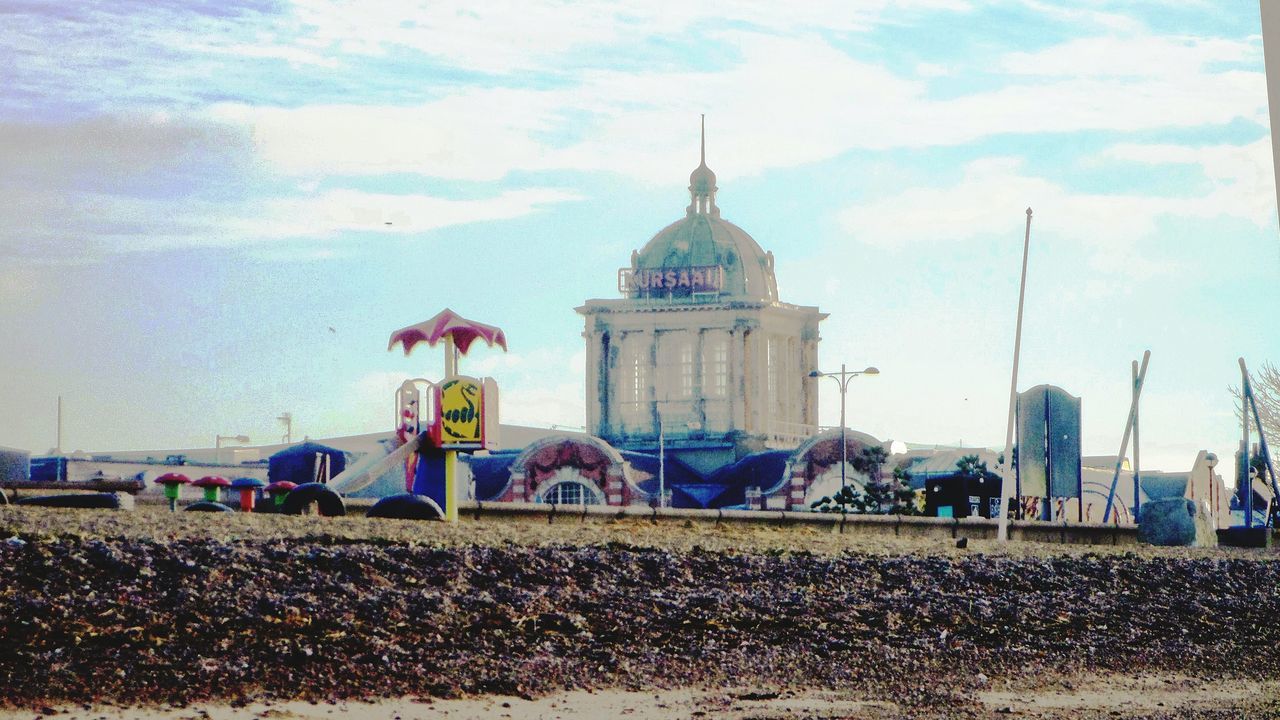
<point x="699" y="354"/>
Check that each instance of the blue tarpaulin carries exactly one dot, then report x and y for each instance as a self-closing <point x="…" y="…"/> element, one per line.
<point x="297" y="463"/>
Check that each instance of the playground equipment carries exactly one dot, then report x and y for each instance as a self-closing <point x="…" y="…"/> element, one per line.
<point x="173" y="483"/>
<point x="435" y="420"/>
<point x="1048" y="464"/>
<point x="207" y="506"/>
<point x="406" y="507"/>
<point x="212" y="486"/>
<point x="1245" y="479"/>
<point x="465" y="417"/>
<point x="301" y="499"/>
<point x="248" y="488"/>
<point x="1131" y="426"/>
<point x="278" y="490"/>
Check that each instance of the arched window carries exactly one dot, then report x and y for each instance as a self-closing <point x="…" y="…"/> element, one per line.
<point x="569" y="492"/>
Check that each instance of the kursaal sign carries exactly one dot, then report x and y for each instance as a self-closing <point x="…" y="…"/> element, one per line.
<point x="697" y="279"/>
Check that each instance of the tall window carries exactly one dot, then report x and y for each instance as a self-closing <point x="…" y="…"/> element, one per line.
<point x="674" y="388"/>
<point x="633" y="382"/>
<point x="782" y="376"/>
<point x="715" y="380"/>
<point x="774" y="377"/>
<point x="715" y="365"/>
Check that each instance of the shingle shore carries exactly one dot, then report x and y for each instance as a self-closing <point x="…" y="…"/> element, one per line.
<point x="139" y="621"/>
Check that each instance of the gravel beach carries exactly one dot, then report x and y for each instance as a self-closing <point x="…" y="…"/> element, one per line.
<point x="169" y="612"/>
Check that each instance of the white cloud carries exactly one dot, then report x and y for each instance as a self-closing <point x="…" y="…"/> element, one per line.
<point x="99" y="223"/>
<point x="337" y="211"/>
<point x="1242" y="176"/>
<point x="478" y="134"/>
<point x="293" y="55"/>
<point x="786" y="101"/>
<point x="539" y="388"/>
<point x="543" y="405"/>
<point x="1132" y="55"/>
<point x="932" y="70"/>
<point x="988" y="200"/>
<point x="787" y="97"/>
<point x="1076" y="15"/>
<point x="507" y="37"/>
<point x="78" y="190"/>
<point x="19" y="286"/>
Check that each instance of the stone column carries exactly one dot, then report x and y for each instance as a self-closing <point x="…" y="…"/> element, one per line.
<point x="614" y="488"/>
<point x="699" y="397"/>
<point x="651" y="391"/>
<point x="760" y="392"/>
<point x="611" y="410"/>
<point x="796" y="489"/>
<point x="746" y="346"/>
<point x="597" y="376"/>
<point x="518" y="488"/>
<point x="809" y="363"/>
<point x="737" y="367"/>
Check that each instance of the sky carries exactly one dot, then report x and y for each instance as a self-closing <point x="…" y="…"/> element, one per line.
<point x="216" y="212"/>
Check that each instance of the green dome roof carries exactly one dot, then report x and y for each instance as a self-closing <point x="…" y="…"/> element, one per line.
<point x="701" y="238"/>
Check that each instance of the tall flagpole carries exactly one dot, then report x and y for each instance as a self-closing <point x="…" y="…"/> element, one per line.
<point x="1006" y="485"/>
<point x="1270" y="12"/>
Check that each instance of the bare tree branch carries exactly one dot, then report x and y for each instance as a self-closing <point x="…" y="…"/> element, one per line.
<point x="1266" y="391"/>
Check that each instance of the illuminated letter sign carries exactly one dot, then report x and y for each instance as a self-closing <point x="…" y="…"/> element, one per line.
<point x="677" y="280"/>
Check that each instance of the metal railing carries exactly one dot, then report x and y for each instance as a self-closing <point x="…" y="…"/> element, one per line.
<point x="785" y="435"/>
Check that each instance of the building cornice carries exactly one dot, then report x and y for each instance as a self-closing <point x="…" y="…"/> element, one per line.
<point x="620" y="306"/>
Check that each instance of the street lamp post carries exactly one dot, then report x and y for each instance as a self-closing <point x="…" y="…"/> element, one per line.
<point x="842" y="378"/>
<point x="217" y="444"/>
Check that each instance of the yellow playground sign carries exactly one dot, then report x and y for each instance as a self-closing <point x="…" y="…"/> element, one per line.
<point x="461" y="411"/>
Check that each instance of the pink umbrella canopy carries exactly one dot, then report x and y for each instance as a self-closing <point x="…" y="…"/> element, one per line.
<point x="448" y="322"/>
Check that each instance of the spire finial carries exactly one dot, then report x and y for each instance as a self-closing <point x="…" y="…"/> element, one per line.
<point x="704" y="138"/>
<point x="702" y="182"/>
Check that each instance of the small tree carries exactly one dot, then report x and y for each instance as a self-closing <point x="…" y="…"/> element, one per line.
<point x="894" y="494"/>
<point x="911" y="501"/>
<point x="971" y="466"/>
<point x="878" y="495"/>
<point x="845" y="500"/>
<point x="1000" y="459"/>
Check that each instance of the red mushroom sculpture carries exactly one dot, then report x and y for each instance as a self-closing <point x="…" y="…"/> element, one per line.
<point x="248" y="488"/>
<point x="173" y="483"/>
<point x="212" y="484"/>
<point x="278" y="489"/>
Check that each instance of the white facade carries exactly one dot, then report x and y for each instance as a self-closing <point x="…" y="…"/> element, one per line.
<point x="699" y="350"/>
